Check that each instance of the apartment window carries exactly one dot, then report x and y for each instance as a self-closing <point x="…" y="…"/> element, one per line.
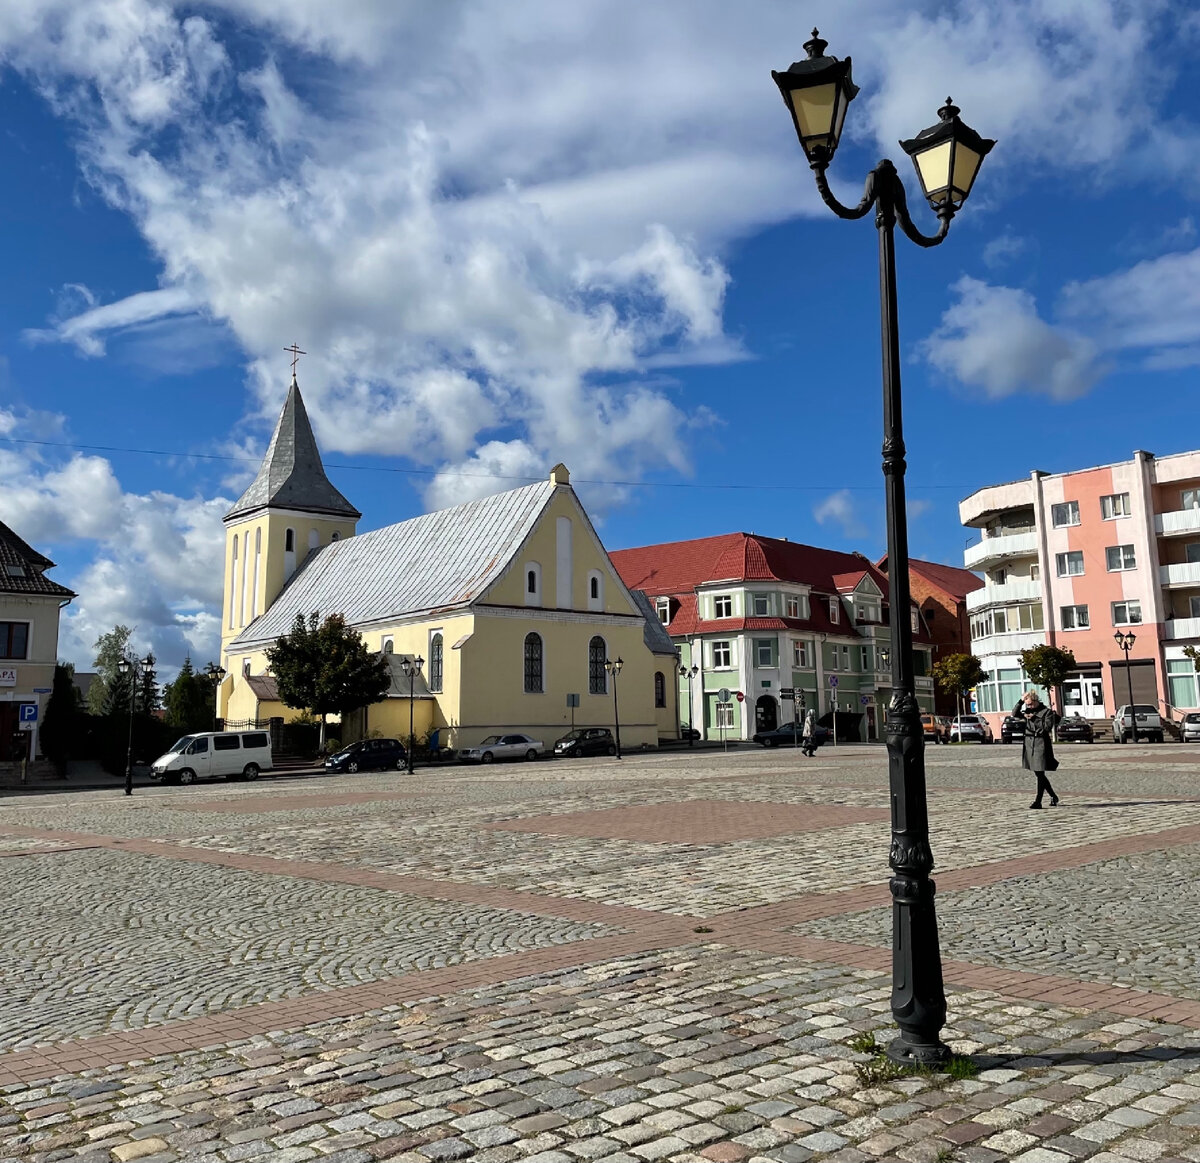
<point x="764" y="652"/>
<point x="1035" y="573"/>
<point x="724" y="715"/>
<point x="597" y="675"/>
<point x="14" y="639"/>
<point x="999" y="576"/>
<point x="721" y="655"/>
<point x="1194" y="607"/>
<point x="1126" y="613"/>
<point x="1010" y="619"/>
<point x="793" y="606"/>
<point x="533" y="664"/>
<point x="868" y="611"/>
<point x="845" y="657"/>
<point x="436" y="662"/>
<point x="663" y="607"/>
<point x="723" y="606"/>
<point x="866" y="657"/>
<point x="800" y="655"/>
<point x="1181" y="680"/>
<point x="1075" y="618"/>
<point x="835" y="609"/>
<point x="1065" y="514"/>
<point x="660" y="689"/>
<point x="1114" y="505"/>
<point x="921" y="663"/>
<point x="914" y="620"/>
<point x="1190" y="499"/>
<point x="833" y="658"/>
<point x="1069" y="564"/>
<point x="762" y="605"/>
<point x="1120" y="557"/>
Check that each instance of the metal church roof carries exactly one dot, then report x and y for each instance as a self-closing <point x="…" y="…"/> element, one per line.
<point x="291" y="475"/>
<point x="438" y="561"/>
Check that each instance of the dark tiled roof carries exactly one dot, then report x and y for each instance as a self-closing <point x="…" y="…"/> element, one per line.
<point x="291" y="475"/>
<point x="21" y="568"/>
<point x="654" y="633"/>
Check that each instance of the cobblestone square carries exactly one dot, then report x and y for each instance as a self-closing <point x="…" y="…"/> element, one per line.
<point x="680" y="956"/>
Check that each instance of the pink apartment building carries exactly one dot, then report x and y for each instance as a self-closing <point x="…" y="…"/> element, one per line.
<point x="1071" y="558"/>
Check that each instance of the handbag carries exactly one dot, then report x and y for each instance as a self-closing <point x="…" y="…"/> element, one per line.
<point x="1051" y="764"/>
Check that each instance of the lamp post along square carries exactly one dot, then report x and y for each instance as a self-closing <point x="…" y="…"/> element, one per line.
<point x="947" y="157"/>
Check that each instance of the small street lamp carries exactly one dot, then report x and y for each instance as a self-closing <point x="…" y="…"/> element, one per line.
<point x="817" y="92"/>
<point x="410" y="668"/>
<point x="215" y="674"/>
<point x="613" y="666"/>
<point x="690" y="672"/>
<point x="132" y="668"/>
<point x="1125" y="642"/>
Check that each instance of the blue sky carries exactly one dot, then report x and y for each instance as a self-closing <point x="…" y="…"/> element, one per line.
<point x="511" y="235"/>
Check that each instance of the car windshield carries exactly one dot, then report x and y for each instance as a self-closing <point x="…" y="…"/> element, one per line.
<point x="1146" y="710"/>
<point x="968" y="719"/>
<point x="490" y="739"/>
<point x="179" y="745"/>
<point x="1193" y="717"/>
<point x="571" y="736"/>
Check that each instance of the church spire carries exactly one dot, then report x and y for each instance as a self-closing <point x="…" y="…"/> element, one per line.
<point x="291" y="475"/>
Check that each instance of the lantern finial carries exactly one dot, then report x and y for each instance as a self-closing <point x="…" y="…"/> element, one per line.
<point x="815" y="47"/>
<point x="949" y="110"/>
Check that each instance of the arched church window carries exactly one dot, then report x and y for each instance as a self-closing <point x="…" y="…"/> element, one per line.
<point x="660" y="689"/>
<point x="435" y="663"/>
<point x="597" y="675"/>
<point x="533" y="664"/>
<point x="289" y="541"/>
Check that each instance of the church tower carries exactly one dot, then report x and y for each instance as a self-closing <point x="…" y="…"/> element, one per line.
<point x="290" y="509"/>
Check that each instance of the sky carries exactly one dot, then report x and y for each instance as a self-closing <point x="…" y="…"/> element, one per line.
<point x="508" y="235"/>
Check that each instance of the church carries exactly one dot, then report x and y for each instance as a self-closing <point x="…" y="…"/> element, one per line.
<point x="510" y="602"/>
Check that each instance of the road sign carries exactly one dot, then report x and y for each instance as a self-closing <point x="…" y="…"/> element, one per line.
<point x="572" y="700"/>
<point x="741" y="698"/>
<point x="833" y="679"/>
<point x="41" y="690"/>
<point x="864" y="700"/>
<point x="27" y="714"/>
<point x="787" y="693"/>
<point x="724" y="694"/>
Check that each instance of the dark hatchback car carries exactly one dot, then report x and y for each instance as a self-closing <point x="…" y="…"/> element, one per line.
<point x="369" y="755"/>
<point x="1012" y="729"/>
<point x="586" y="741"/>
<point x="688" y="733"/>
<point x="1075" y="729"/>
<point x="786" y="736"/>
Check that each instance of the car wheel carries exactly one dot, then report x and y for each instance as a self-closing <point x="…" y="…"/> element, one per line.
<point x="187" y="775"/>
<point x="352" y="766"/>
<point x="250" y="771"/>
<point x="531" y="755"/>
<point x="487" y="757"/>
<point x="400" y="764"/>
<point x="611" y="749"/>
<point x="1158" y="738"/>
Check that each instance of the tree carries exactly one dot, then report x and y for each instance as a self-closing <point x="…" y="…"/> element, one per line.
<point x="110" y="649"/>
<point x="188" y="700"/>
<point x="64" y="719"/>
<point x="958" y="673"/>
<point x="1047" y="666"/>
<point x="326" y="668"/>
<point x="148" y="700"/>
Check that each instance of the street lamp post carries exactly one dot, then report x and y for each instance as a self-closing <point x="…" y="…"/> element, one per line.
<point x="215" y="674"/>
<point x="691" y="672"/>
<point x="132" y="669"/>
<point x="1125" y="642"/>
<point x="947" y="156"/>
<point x="613" y="666"/>
<point x="410" y="668"/>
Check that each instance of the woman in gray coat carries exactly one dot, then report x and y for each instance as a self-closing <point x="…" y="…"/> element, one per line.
<point x="1037" y="755"/>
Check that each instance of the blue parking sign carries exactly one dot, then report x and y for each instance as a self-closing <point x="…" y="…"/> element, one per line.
<point x="28" y="713"/>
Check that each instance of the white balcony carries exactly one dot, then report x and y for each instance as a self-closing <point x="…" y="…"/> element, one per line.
<point x="1013" y="591"/>
<point x="1008" y="643"/>
<point x="1176" y="628"/>
<point x="992" y="549"/>
<point x="1177" y="523"/>
<point x="1185" y="573"/>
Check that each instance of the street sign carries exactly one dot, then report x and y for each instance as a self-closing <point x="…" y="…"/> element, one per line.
<point x="724" y="694"/>
<point x="787" y="693"/>
<point x="41" y="690"/>
<point x="27" y="714"/>
<point x="741" y="698"/>
<point x="572" y="700"/>
<point x="833" y="680"/>
<point x="864" y="700"/>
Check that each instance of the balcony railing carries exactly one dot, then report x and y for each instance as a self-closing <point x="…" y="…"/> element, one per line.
<point x="1008" y="643"/>
<point x="1179" y="521"/>
<point x="1186" y="573"/>
<point x="1176" y="628"/>
<point x="1013" y="591"/>
<point x="997" y="548"/>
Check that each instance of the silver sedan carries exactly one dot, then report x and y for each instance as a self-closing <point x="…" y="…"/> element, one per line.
<point x="503" y="747"/>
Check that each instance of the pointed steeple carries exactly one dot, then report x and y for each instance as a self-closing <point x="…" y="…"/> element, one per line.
<point x="291" y="475"/>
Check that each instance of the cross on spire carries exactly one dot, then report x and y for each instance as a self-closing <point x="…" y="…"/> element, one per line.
<point x="296" y="354"/>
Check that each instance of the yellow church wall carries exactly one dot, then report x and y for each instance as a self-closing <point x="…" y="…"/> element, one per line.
<point x="666" y="718"/>
<point x="390" y="718"/>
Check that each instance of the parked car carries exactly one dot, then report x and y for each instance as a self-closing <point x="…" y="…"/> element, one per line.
<point x="790" y="735"/>
<point x="214" y="753"/>
<point x="1012" y="728"/>
<point x="1149" y="725"/>
<point x="586" y="741"/>
<point x="1075" y="729"/>
<point x="369" y="755"/>
<point x="503" y="747"/>
<point x="935" y="728"/>
<point x="966" y="727"/>
<point x="687" y="733"/>
<point x="1189" y="728"/>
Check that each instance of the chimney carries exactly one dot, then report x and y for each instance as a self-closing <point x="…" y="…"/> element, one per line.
<point x="559" y="475"/>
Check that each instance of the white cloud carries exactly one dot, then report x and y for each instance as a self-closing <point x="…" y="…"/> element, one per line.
<point x="87" y="329"/>
<point x="839" y="509"/>
<point x="1004" y="249"/>
<point x="992" y="338"/>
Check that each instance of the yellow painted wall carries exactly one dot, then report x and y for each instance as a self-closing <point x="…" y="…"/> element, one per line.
<point x="390" y="718"/>
<point x="666" y="717"/>
<point x="36" y="671"/>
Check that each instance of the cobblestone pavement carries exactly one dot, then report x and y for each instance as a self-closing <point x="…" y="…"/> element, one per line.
<point x="568" y="962"/>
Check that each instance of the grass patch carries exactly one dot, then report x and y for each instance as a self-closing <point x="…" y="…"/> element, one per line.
<point x="960" y="1067"/>
<point x="882" y="1069"/>
<point x="733" y="1108"/>
<point x="864" y="1043"/>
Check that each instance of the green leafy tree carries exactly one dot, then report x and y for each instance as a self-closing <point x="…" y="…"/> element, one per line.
<point x="148" y="699"/>
<point x="1048" y="666"/>
<point x="64" y="720"/>
<point x="189" y="700"/>
<point x="110" y="649"/>
<point x="958" y="674"/>
<point x="326" y="668"/>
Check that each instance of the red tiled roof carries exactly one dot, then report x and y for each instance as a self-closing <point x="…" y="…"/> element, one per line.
<point x="954" y="581"/>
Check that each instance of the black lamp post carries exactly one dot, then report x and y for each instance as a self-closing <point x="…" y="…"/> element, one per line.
<point x="691" y="672"/>
<point x="215" y="674"/>
<point x="947" y="156"/>
<point x="613" y="666"/>
<point x="410" y="668"/>
<point x="131" y="668"/>
<point x="1125" y="642"/>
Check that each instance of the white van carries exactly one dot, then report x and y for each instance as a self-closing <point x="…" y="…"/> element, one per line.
<point x="214" y="753"/>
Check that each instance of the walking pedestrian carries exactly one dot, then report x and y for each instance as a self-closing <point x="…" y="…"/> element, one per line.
<point x="808" y="735"/>
<point x="1037" y="754"/>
